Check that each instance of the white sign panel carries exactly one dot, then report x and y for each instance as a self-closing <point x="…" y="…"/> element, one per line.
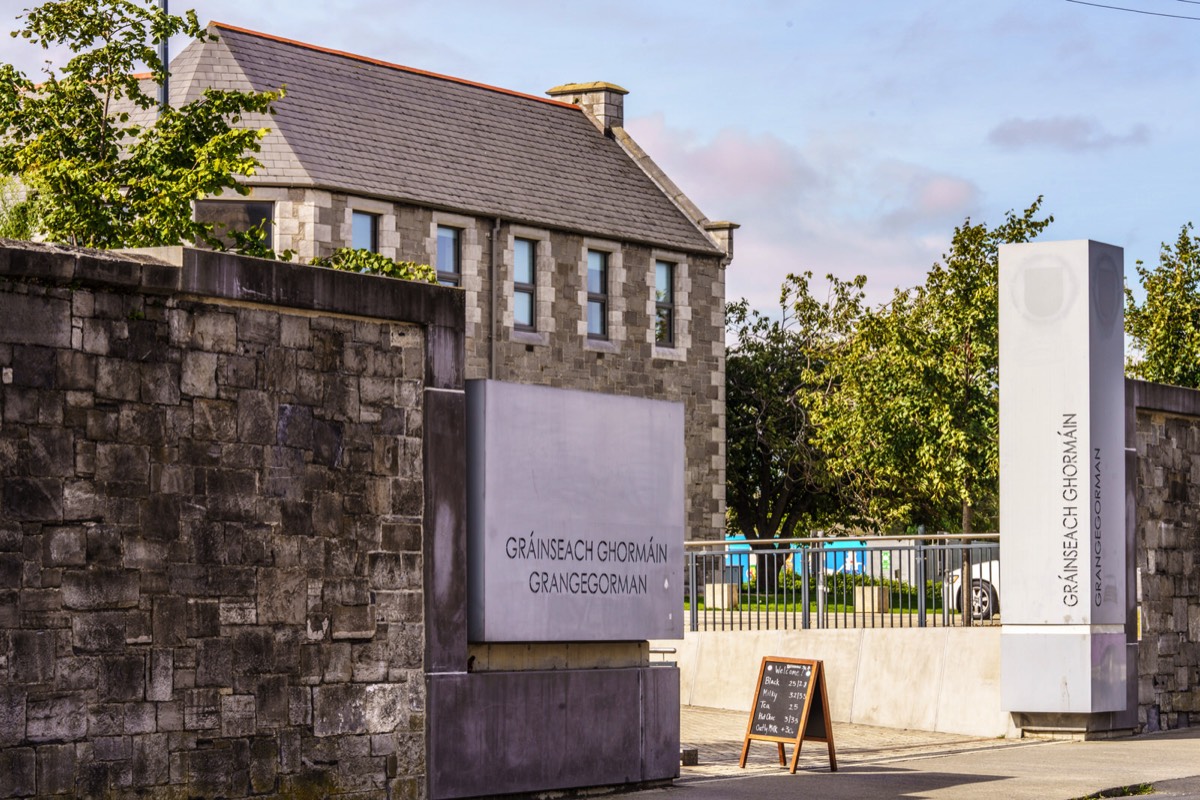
<point x="1062" y="465"/>
<point x="1062" y="433"/>
<point x="575" y="515"/>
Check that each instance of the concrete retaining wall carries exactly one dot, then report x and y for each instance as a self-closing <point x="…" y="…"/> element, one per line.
<point x="934" y="679"/>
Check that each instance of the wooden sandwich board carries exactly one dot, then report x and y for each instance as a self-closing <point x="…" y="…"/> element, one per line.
<point x="790" y="705"/>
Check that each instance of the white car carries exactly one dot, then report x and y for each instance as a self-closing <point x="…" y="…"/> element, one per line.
<point x="985" y="589"/>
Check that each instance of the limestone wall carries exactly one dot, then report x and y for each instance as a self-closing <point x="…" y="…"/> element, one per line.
<point x="1167" y="491"/>
<point x="212" y="525"/>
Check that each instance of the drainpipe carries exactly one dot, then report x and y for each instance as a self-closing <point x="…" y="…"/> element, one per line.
<point x="164" y="88"/>
<point x="492" y="312"/>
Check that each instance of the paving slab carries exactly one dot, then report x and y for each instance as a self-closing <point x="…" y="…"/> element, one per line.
<point x="890" y="763"/>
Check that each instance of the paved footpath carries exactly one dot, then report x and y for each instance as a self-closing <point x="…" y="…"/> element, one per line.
<point x="888" y="763"/>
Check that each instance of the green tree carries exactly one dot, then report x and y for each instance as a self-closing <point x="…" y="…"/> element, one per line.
<point x="1165" y="329"/>
<point x="96" y="175"/>
<point x="913" y="424"/>
<point x="777" y="479"/>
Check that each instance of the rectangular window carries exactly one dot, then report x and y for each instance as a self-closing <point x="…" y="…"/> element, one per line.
<point x="449" y="256"/>
<point x="664" y="303"/>
<point x="597" y="302"/>
<point x="364" y="231"/>
<point x="228" y="217"/>
<point x="524" y="281"/>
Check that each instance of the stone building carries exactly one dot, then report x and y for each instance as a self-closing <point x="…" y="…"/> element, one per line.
<point x="582" y="264"/>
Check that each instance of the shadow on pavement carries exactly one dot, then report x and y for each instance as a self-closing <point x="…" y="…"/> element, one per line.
<point x="868" y="781"/>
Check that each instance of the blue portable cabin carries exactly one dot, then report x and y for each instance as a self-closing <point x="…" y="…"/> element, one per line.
<point x="845" y="555"/>
<point x="739" y="558"/>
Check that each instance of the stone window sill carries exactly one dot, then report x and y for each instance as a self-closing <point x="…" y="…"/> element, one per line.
<point x="669" y="353"/>
<point x="539" y="338"/>
<point x="600" y="346"/>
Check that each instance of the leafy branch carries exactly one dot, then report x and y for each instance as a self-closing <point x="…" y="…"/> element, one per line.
<point x="100" y="168"/>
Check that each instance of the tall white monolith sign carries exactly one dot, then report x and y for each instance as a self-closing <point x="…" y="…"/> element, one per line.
<point x="1062" y="477"/>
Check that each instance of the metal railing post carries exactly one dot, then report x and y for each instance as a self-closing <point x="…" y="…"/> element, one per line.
<point x="967" y="617"/>
<point x="695" y="599"/>
<point x="822" y="594"/>
<point x="920" y="581"/>
<point x="805" y="621"/>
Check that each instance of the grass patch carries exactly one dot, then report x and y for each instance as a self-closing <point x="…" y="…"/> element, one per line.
<point x="1135" y="790"/>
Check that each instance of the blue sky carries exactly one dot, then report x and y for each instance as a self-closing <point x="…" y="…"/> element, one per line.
<point x="845" y="137"/>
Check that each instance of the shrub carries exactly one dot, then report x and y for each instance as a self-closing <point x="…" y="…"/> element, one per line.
<point x="349" y="260"/>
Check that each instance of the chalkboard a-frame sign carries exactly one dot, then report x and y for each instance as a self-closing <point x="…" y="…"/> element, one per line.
<point x="790" y="705"/>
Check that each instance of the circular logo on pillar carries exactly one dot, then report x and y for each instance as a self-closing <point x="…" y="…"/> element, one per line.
<point x="1043" y="289"/>
<point x="1108" y="294"/>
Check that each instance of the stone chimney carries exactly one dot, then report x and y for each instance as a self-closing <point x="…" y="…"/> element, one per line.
<point x="604" y="103"/>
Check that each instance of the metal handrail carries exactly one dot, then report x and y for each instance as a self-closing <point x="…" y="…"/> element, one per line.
<point x="925" y="537"/>
<point x="845" y="581"/>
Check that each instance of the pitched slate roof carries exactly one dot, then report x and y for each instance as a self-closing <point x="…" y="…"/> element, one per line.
<point x="365" y="127"/>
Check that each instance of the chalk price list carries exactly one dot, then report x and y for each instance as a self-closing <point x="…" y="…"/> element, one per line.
<point x="780" y="701"/>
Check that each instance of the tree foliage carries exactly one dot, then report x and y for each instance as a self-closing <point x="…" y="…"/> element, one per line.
<point x="254" y="241"/>
<point x="96" y="175"/>
<point x="777" y="478"/>
<point x="912" y="424"/>
<point x="350" y="260"/>
<point x="1165" y="328"/>
<point x="16" y="212"/>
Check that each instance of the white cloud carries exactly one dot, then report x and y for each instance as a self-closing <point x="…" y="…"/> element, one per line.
<point x="917" y="200"/>
<point x="1063" y="133"/>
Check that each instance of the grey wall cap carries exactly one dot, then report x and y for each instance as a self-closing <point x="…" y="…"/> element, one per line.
<point x="234" y="277"/>
<point x="1163" y="397"/>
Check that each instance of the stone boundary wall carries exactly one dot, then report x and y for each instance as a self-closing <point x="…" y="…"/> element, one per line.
<point x="1167" y="547"/>
<point x="216" y="481"/>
